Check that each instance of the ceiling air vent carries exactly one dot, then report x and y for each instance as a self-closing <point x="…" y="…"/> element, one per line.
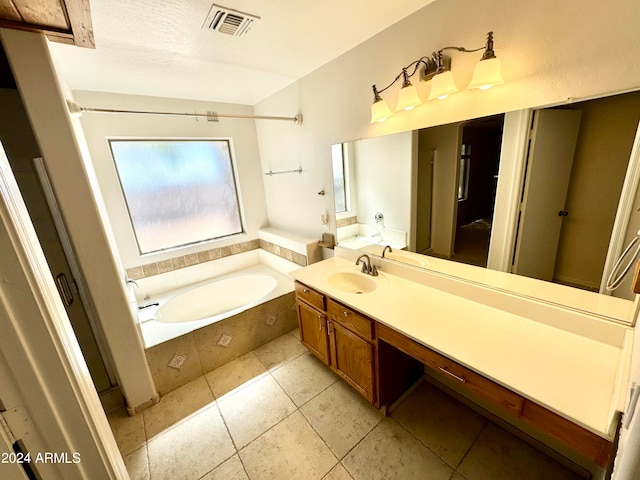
<point x="229" y="21"/>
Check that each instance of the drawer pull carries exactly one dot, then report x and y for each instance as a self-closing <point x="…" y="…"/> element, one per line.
<point x="305" y="290"/>
<point x="451" y="374"/>
<point x="346" y="314"/>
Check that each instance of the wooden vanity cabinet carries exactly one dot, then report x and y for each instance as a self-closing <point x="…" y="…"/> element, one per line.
<point x="352" y="348"/>
<point x="570" y="434"/>
<point x="340" y="337"/>
<point x="313" y="330"/>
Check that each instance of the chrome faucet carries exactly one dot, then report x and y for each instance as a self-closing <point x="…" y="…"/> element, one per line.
<point x="366" y="265"/>
<point x="387" y="248"/>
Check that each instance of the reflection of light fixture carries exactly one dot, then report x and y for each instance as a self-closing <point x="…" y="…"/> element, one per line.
<point x="437" y="68"/>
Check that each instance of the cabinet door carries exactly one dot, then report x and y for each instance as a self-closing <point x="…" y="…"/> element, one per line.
<point x="313" y="331"/>
<point x="353" y="360"/>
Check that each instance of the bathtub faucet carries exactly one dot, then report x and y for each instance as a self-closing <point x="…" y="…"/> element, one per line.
<point x="366" y="265"/>
<point x="148" y="305"/>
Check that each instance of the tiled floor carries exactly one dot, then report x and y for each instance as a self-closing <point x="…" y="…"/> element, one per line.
<point x="278" y="413"/>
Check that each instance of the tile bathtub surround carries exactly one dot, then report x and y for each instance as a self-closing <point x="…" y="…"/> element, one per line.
<point x="184" y="261"/>
<point x="344" y="222"/>
<point x="285" y="253"/>
<point x="258" y="426"/>
<point x="248" y="329"/>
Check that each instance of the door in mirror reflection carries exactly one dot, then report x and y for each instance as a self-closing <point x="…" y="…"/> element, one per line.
<point x="479" y="159"/>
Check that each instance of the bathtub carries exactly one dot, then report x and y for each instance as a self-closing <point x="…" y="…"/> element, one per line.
<point x="195" y="306"/>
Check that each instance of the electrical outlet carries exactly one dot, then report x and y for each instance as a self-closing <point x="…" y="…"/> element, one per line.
<point x="225" y="340"/>
<point x="177" y="361"/>
<point x="270" y="320"/>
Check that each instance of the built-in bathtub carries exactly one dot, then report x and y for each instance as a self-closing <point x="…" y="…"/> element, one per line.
<point x="200" y="304"/>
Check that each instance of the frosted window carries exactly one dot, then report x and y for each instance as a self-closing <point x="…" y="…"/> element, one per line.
<point x="178" y="192"/>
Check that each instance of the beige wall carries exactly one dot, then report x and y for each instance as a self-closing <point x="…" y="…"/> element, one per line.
<point x="542" y="65"/>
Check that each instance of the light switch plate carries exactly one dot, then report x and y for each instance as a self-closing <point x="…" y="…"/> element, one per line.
<point x="225" y="340"/>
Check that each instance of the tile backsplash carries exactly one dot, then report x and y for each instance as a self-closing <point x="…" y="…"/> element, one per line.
<point x="183" y="261"/>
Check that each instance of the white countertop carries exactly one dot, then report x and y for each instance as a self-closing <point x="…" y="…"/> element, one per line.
<point x="577" y="376"/>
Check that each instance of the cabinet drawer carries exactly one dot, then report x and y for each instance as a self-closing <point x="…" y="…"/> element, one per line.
<point x="576" y="437"/>
<point x="350" y="319"/>
<point x="310" y="296"/>
<point x="471" y="380"/>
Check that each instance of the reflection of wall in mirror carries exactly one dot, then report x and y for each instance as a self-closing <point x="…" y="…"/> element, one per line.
<point x="382" y="179"/>
<point x="444" y="142"/>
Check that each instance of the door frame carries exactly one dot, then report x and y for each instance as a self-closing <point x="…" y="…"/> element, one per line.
<point x="40" y="354"/>
<point x="78" y="277"/>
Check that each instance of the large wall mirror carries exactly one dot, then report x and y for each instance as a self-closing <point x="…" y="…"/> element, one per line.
<point x="436" y="191"/>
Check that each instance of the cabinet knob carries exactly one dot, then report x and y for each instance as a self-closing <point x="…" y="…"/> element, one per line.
<point x="346" y="314"/>
<point x="305" y="290"/>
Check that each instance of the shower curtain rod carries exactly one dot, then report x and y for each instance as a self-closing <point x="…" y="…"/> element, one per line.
<point x="76" y="109"/>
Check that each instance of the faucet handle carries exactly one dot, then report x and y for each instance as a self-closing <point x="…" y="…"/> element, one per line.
<point x="373" y="271"/>
<point x="364" y="267"/>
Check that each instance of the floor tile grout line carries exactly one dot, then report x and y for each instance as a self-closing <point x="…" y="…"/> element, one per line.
<point x="424" y="444"/>
<point x="362" y="439"/>
<point x="287" y="393"/>
<point x="486" y="422"/>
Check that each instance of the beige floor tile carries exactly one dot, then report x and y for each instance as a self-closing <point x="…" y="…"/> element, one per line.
<point x="338" y="473"/>
<point x="137" y="464"/>
<point x="253" y="410"/>
<point x="296" y="333"/>
<point x="235" y="374"/>
<point x="341" y="417"/>
<point x="291" y="450"/>
<point x="390" y="452"/>
<point x="232" y="469"/>
<point x="279" y="351"/>
<point x="192" y="448"/>
<point x="304" y="377"/>
<point x="128" y="431"/>
<point x="498" y="455"/>
<point x="439" y="421"/>
<point x="177" y="405"/>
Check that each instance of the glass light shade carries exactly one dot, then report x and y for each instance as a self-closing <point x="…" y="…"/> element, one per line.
<point x="380" y="111"/>
<point x="442" y="85"/>
<point x="486" y="74"/>
<point x="408" y="98"/>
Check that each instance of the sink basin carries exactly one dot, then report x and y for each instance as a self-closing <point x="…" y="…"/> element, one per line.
<point x="408" y="258"/>
<point x="350" y="282"/>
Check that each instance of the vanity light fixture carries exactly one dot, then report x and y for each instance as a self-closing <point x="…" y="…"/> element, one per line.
<point x="437" y="69"/>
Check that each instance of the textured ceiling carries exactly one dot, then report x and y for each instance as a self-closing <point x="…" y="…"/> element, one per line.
<point x="157" y="47"/>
